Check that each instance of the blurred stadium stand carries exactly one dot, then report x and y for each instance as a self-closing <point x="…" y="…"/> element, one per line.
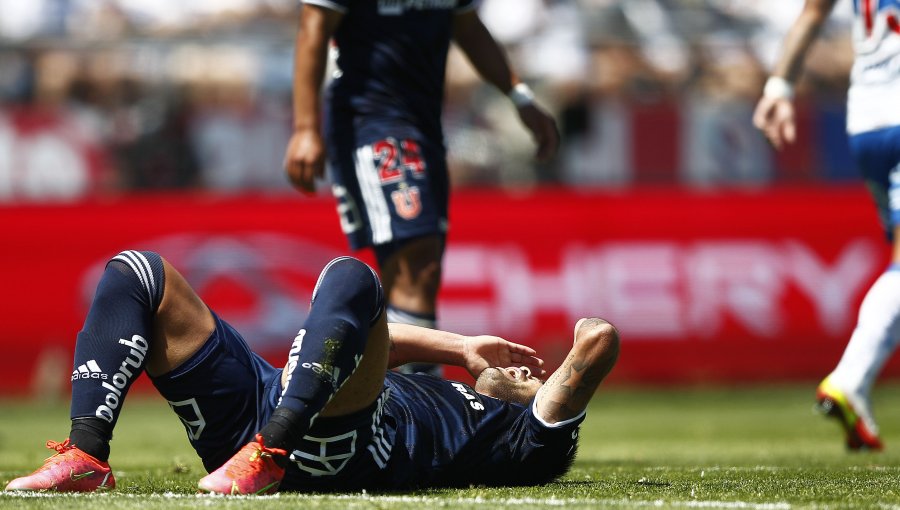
<point x="158" y="124"/>
<point x="105" y="97"/>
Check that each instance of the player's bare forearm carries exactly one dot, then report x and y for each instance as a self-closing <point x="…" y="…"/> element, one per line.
<point x="414" y="344"/>
<point x="567" y="392"/>
<point x="800" y="37"/>
<point x="489" y="60"/>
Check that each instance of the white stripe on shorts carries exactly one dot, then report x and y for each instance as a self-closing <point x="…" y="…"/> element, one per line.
<point x="373" y="195"/>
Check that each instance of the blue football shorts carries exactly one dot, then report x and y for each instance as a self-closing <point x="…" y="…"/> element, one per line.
<point x="877" y="153"/>
<point x="389" y="191"/>
<point x="225" y="393"/>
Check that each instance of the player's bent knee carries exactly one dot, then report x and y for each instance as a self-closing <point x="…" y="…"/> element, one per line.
<point x="141" y="278"/>
<point x="350" y="282"/>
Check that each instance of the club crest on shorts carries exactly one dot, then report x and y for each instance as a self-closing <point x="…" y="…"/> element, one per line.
<point x="407" y="201"/>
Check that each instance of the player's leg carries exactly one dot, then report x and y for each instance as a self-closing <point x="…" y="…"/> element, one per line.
<point x="393" y="196"/>
<point x="845" y="393"/>
<point x="144" y="315"/>
<point x="567" y="392"/>
<point x="346" y="311"/>
<point x="411" y="266"/>
<point x="336" y="366"/>
<point x="411" y="273"/>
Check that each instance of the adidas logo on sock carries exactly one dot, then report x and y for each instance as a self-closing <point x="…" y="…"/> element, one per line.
<point x="89" y="370"/>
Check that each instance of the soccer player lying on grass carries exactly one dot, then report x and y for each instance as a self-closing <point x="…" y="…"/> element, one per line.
<point x="335" y="418"/>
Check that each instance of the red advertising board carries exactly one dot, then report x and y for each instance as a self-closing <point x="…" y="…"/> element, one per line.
<point x="704" y="287"/>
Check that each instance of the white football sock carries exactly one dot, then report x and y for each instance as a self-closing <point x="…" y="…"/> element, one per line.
<point x="875" y="337"/>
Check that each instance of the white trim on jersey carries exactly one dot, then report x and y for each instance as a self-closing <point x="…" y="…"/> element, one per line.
<point x="373" y="196"/>
<point x="380" y="448"/>
<point x="553" y="425"/>
<point x="328" y="5"/>
<point x="141" y="268"/>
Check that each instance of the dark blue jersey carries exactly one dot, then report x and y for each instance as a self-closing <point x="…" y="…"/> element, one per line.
<point x="429" y="432"/>
<point x="447" y="434"/>
<point x="391" y="59"/>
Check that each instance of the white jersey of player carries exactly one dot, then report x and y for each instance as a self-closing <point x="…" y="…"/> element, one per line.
<point x="873" y="101"/>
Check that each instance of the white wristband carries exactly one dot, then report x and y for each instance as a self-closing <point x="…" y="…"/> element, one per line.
<point x="521" y="95"/>
<point x="778" y="88"/>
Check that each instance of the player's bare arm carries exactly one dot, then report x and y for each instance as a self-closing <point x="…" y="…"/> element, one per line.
<point x="489" y="60"/>
<point x="568" y="390"/>
<point x="304" y="160"/>
<point x="774" y="114"/>
<point x="474" y="353"/>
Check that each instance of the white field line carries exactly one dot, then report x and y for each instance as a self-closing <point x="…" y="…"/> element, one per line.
<point x="431" y="500"/>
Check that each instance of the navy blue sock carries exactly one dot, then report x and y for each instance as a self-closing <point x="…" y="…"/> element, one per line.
<point x="112" y="347"/>
<point x="347" y="300"/>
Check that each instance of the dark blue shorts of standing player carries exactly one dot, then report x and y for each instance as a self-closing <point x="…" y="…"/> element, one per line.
<point x="389" y="191"/>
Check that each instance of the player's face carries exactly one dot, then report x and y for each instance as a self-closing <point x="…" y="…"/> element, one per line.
<point x="513" y="384"/>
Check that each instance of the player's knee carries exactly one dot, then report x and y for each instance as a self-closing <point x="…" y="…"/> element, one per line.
<point x="135" y="274"/>
<point x="349" y="282"/>
<point x="599" y="339"/>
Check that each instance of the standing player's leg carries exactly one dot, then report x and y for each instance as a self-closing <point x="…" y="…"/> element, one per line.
<point x="412" y="277"/>
<point x="845" y="393"/>
<point x="336" y="366"/>
<point x="393" y="196"/>
<point x="144" y="315"/>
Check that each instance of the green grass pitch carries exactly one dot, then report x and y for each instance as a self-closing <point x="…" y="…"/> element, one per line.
<point x="736" y="448"/>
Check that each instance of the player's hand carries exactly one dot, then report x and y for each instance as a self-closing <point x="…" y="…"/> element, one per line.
<point x="775" y="118"/>
<point x="486" y="351"/>
<point x="543" y="130"/>
<point x="304" y="160"/>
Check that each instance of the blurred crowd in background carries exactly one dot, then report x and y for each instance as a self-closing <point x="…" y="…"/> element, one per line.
<point x="101" y="97"/>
